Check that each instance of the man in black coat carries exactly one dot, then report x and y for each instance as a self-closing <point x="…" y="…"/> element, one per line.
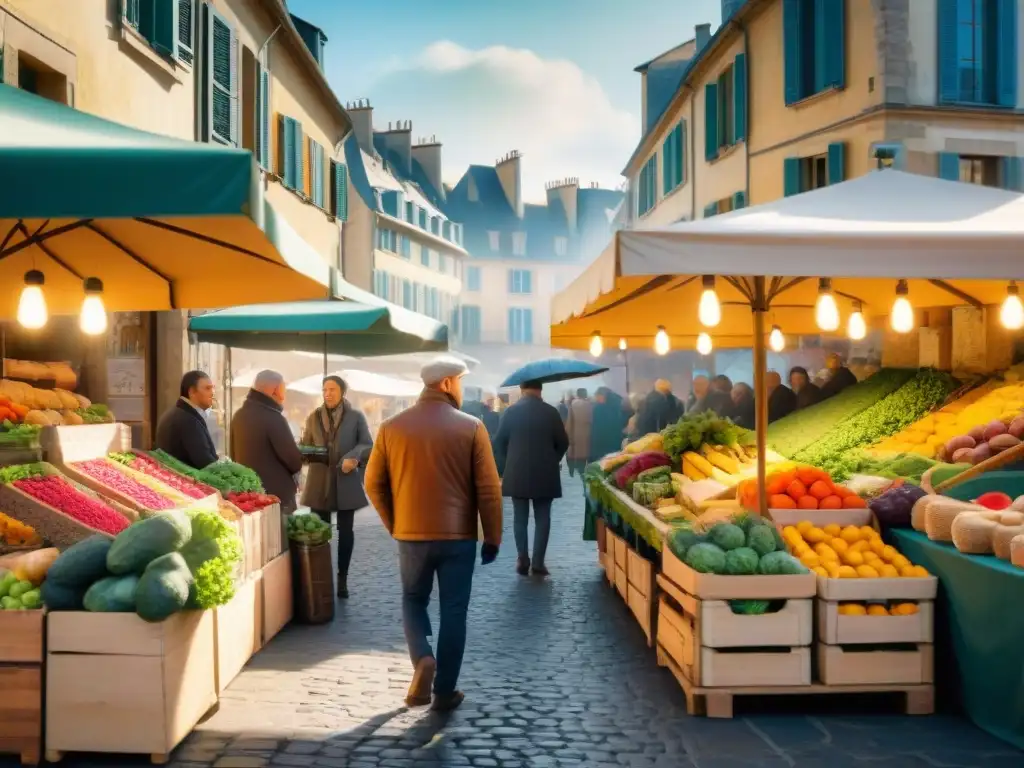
<point x="781" y="399"/>
<point x="841" y="377"/>
<point x="182" y="431"/>
<point x="528" y="449"/>
<point x="659" y="409"/>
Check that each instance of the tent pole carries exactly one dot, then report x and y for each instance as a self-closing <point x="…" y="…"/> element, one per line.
<point x="325" y="355"/>
<point x="760" y="308"/>
<point x="229" y="385"/>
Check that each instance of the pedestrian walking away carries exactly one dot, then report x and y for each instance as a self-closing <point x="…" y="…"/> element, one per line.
<point x="528" y="448"/>
<point x="182" y="431"/>
<point x="336" y="484"/>
<point x="611" y="415"/>
<point x="660" y="408"/>
<point x="262" y="440"/>
<point x="578" y="426"/>
<point x="432" y="479"/>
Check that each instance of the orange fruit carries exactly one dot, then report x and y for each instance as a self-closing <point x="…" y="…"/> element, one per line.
<point x="831" y="502"/>
<point x="796" y="489"/>
<point x="806" y="502"/>
<point x="820" y="489"/>
<point x="853" y="501"/>
<point x="781" y="501"/>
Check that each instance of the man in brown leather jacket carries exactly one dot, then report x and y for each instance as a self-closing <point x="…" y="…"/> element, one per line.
<point x="431" y="477"/>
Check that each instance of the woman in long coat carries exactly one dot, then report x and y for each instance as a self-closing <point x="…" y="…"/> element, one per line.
<point x="336" y="485"/>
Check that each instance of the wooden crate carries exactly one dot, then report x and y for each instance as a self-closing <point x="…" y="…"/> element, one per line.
<point x="117" y="684"/>
<point x="610" y="547"/>
<point x="641" y="594"/>
<point x="21" y="636"/>
<point x="21" y="711"/>
<point x="643" y="608"/>
<point x="273" y="540"/>
<point x="710" y="586"/>
<point x="84" y="441"/>
<point x="621" y="582"/>
<point x="851" y="665"/>
<point x="278" y="601"/>
<point x="846" y="590"/>
<point x="236" y="636"/>
<point x="837" y="629"/>
<point x="252" y="541"/>
<point x="620" y="552"/>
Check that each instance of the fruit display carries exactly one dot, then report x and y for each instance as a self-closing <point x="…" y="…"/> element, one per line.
<point x="800" y="487"/>
<point x="892" y="608"/>
<point x="850" y="552"/>
<point x="249" y="501"/>
<point x="163" y="564"/>
<point x="308" y="529"/>
<point x="18" y="594"/>
<point x="14" y="533"/>
<point x="739" y="545"/>
<point x="144" y="465"/>
<point x="108" y="474"/>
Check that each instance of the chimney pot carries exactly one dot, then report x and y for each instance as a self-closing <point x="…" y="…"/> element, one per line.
<point x="703" y="36"/>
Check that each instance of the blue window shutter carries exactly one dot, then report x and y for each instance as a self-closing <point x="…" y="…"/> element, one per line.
<point x="298" y="159"/>
<point x="836" y="162"/>
<point x="1006" y="53"/>
<point x="666" y="165"/>
<point x="528" y="326"/>
<point x="1013" y="174"/>
<point x="186" y="31"/>
<point x="949" y="71"/>
<point x="792" y="50"/>
<point x="829" y="44"/>
<point x="263" y="117"/>
<point x="739" y="200"/>
<point x="710" y="121"/>
<point x="684" y="152"/>
<point x="949" y="166"/>
<point x="527" y="281"/>
<point x="340" y="192"/>
<point x="711" y="209"/>
<point x="791" y="176"/>
<point x="221" y="76"/>
<point x="286" y="152"/>
<point x="739" y="97"/>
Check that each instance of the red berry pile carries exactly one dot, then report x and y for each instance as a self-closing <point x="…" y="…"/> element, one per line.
<point x="63" y="496"/>
<point x="182" y="485"/>
<point x="252" y="502"/>
<point x="112" y="477"/>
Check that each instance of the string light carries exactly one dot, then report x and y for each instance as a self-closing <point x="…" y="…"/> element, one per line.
<point x="709" y="311"/>
<point x="826" y="312"/>
<point x="662" y="343"/>
<point x="93" y="320"/>
<point x="1011" y="314"/>
<point x="902" y="317"/>
<point x="622" y="345"/>
<point x="704" y="345"/>
<point x="776" y="339"/>
<point x="596" y="345"/>
<point x="32" y="303"/>
<point x="856" y="328"/>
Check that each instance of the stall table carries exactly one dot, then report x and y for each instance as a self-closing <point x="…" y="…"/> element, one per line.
<point x="979" y="632"/>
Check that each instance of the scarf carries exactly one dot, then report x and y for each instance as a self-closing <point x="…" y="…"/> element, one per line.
<point x="330" y="423"/>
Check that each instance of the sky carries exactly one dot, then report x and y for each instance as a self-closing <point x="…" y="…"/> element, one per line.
<point x="553" y="79"/>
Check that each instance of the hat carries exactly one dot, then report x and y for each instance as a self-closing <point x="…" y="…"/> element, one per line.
<point x="441" y="368"/>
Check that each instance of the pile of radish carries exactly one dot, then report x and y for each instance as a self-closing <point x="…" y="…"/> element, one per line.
<point x="983" y="442"/>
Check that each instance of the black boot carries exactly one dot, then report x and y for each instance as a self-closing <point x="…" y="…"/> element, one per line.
<point x="342" y="587"/>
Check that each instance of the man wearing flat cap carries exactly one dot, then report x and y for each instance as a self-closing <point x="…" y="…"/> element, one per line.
<point x="432" y="479"/>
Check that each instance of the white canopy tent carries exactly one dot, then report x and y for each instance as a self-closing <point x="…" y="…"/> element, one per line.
<point x="364" y="382"/>
<point x="407" y="365"/>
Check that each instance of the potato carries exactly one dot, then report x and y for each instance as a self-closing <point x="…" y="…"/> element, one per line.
<point x="1017" y="428"/>
<point x="993" y="429"/>
<point x="978" y="433"/>
<point x="1001" y="443"/>
<point x="980" y="454"/>
<point x="963" y="455"/>
<point x="954" y="444"/>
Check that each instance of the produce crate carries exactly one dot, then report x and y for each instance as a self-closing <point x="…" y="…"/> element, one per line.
<point x="236" y="637"/>
<point x="820" y="517"/>
<point x="641" y="594"/>
<point x="609" y="559"/>
<point x="252" y="542"/>
<point x="84" y="441"/>
<point x="710" y="586"/>
<point x="840" y="665"/>
<point x="621" y="582"/>
<point x="21" y="676"/>
<point x="53" y="525"/>
<point x="135" y="510"/>
<point x="273" y="539"/>
<point x="117" y="684"/>
<point x="275" y="584"/>
<point x="21" y="636"/>
<point x="601" y="542"/>
<point x="853" y="590"/>
<point x="838" y="629"/>
<point x="621" y="548"/>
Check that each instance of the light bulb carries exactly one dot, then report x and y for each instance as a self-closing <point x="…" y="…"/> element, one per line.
<point x="622" y="345"/>
<point x="32" y="304"/>
<point x="704" y="345"/>
<point x="596" y="345"/>
<point x="826" y="313"/>
<point x="93" y="320"/>
<point x="856" y="328"/>
<point x="902" y="317"/>
<point x="709" y="311"/>
<point x="1011" y="314"/>
<point x="776" y="339"/>
<point x="662" y="343"/>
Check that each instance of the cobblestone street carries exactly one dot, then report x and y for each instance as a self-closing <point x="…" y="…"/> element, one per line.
<point x="556" y="674"/>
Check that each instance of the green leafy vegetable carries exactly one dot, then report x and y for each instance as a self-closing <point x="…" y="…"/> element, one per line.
<point x="692" y="431"/>
<point x="229" y="477"/>
<point x="22" y="472"/>
<point x="122" y="458"/>
<point x="178" y="466"/>
<point x="212" y="554"/>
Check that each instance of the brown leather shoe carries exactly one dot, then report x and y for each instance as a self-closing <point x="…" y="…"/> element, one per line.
<point x="422" y="681"/>
<point x="448" y="701"/>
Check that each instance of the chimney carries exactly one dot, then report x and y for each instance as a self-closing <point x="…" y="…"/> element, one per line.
<point x="361" y="114"/>
<point x="729" y="7"/>
<point x="427" y="152"/>
<point x="703" y="35"/>
<point x="511" y="177"/>
<point x="398" y="139"/>
<point x="566" y="191"/>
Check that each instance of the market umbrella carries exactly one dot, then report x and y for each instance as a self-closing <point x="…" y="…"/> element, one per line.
<point x="163" y="223"/>
<point x="364" y="382"/>
<point x="551" y="370"/>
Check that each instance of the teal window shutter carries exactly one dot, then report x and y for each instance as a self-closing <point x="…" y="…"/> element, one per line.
<point x="263" y="116"/>
<point x="666" y="165"/>
<point x="836" y="162"/>
<point x="739" y="200"/>
<point x="949" y="166"/>
<point x="791" y="176"/>
<point x="739" y="96"/>
<point x="1013" y="174"/>
<point x="316" y="173"/>
<point x="286" y="147"/>
<point x="298" y="161"/>
<point x="222" y="77"/>
<point x="710" y="121"/>
<point x="792" y="50"/>
<point x="186" y="31"/>
<point x="949" y="70"/>
<point x="340" y="191"/>
<point x="711" y="209"/>
<point x="1006" y="53"/>
<point x="684" y="151"/>
<point x="131" y="13"/>
<point x="829" y="44"/>
<point x="165" y="27"/>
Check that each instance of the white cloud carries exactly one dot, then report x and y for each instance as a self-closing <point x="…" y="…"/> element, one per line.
<point x="483" y="103"/>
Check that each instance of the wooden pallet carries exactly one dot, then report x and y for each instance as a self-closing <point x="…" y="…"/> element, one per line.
<point x="156" y="758"/>
<point x="717" y="702"/>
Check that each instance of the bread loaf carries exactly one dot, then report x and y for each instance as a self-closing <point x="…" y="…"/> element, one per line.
<point x="973" y="532"/>
<point x="939" y="515"/>
<point x="1017" y="551"/>
<point x="1011" y="525"/>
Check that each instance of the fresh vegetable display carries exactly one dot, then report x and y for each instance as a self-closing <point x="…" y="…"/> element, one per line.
<point x="14" y="533"/>
<point x="693" y="431"/>
<point x="739" y="546"/>
<point x="893" y="507"/>
<point x="252" y="502"/>
<point x="225" y="476"/>
<point x="107" y="473"/>
<point x="308" y="529"/>
<point x="850" y="552"/>
<point x="177" y="466"/>
<point x="18" y="594"/>
<point x="213" y="555"/>
<point x="801" y="487"/>
<point x="17" y="472"/>
<point x="95" y="414"/>
<point x="626" y="475"/>
<point x="55" y="491"/>
<point x="16" y="435"/>
<point x="30" y="566"/>
<point x="151" y="468"/>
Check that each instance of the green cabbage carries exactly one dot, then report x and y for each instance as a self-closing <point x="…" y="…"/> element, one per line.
<point x="780" y="564"/>
<point x="727" y="536"/>
<point x="706" y="558"/>
<point x="761" y="539"/>
<point x="741" y="561"/>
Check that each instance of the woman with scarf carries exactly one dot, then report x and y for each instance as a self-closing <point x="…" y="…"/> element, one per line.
<point x="336" y="483"/>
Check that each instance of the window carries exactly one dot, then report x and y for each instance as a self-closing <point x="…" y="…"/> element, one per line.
<point x="387" y="240"/>
<point x="405" y="247"/>
<point x="425" y="256"/>
<point x="457" y="234"/>
<point x="978" y="64"/>
<point x="519" y="281"/>
<point x="435" y="225"/>
<point x="409" y="214"/>
<point x="407" y="294"/>
<point x="725" y="109"/>
<point x="814" y="47"/>
<point x="520" y="326"/>
<point x="561" y="246"/>
<point x="726" y="128"/>
<point x="380" y="284"/>
<point x="494" y="240"/>
<point x="802" y="174"/>
<point x="339" y="191"/>
<point x="470" y="324"/>
<point x="472" y="278"/>
<point x="290" y="166"/>
<point x="983" y="171"/>
<point x="219" y="82"/>
<point x="647" y="191"/>
<point x="813" y="173"/>
<point x="518" y="243"/>
<point x="423" y="219"/>
<point x="673" y="159"/>
<point x="167" y="25"/>
<point x="316" y="173"/>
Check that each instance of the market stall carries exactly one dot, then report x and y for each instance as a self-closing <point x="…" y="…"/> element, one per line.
<point x="876" y="245"/>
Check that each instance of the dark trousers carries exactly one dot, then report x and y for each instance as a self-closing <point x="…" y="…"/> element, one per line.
<point x="453" y="563"/>
<point x="346" y="538"/>
<point x="541" y="531"/>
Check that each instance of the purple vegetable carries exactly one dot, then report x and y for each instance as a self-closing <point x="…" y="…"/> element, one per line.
<point x="893" y="507"/>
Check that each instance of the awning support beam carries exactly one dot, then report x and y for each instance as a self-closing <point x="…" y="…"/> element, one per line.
<point x="138" y="260"/>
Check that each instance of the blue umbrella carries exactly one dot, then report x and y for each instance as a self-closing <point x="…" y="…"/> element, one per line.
<point x="552" y="370"/>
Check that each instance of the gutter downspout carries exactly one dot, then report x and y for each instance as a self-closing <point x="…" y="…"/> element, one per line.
<point x="693" y="163"/>
<point x="746" y="149"/>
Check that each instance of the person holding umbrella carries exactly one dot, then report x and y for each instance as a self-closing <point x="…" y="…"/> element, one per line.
<point x="528" y="448"/>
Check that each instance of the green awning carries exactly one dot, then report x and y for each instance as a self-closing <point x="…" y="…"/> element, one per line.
<point x="163" y="223"/>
